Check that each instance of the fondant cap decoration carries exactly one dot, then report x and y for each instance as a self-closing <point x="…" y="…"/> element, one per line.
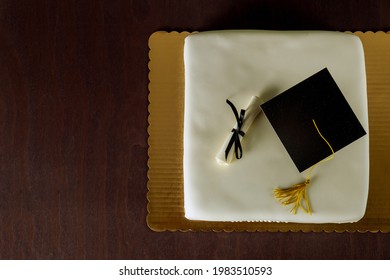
<point x="292" y="112"/>
<point x="313" y="120"/>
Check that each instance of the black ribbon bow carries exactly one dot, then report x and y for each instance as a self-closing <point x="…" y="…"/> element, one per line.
<point x="235" y="139"/>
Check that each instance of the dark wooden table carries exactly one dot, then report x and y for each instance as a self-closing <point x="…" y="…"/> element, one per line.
<point x="73" y="128"/>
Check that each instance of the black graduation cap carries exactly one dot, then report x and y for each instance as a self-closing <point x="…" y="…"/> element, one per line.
<point x="292" y="112"/>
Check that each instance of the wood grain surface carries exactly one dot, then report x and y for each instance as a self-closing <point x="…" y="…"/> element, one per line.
<point x="73" y="128"/>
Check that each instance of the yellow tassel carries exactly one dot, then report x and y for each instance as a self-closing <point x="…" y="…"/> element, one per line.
<point x="294" y="195"/>
<point x="297" y="193"/>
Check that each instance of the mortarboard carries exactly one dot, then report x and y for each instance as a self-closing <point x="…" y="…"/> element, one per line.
<point x="291" y="113"/>
<point x="313" y="120"/>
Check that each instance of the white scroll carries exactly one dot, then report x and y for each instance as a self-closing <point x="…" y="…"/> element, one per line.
<point x="251" y="112"/>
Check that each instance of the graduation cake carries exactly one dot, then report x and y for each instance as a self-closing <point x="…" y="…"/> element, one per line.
<point x="275" y="127"/>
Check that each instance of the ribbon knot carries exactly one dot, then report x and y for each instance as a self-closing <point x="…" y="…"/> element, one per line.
<point x="235" y="139"/>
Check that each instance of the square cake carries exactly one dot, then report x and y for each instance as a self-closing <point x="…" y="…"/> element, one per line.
<point x="237" y="65"/>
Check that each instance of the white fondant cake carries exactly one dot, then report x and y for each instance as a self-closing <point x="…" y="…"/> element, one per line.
<point x="236" y="65"/>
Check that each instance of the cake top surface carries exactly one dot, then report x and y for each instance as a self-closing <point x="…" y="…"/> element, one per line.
<point x="237" y="65"/>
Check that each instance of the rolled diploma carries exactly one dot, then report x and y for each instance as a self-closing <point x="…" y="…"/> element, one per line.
<point x="252" y="110"/>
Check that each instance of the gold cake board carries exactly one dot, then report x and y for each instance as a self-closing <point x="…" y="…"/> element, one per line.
<point x="166" y="119"/>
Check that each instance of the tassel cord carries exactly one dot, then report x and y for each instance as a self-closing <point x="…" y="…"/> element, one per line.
<point x="325" y="159"/>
